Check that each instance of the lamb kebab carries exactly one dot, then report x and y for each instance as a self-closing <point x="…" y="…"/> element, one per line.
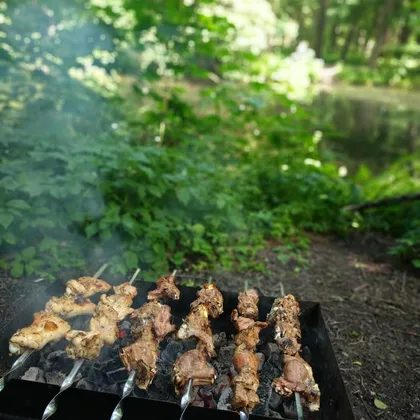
<point x="86" y="345"/>
<point x="48" y="325"/>
<point x="191" y="368"/>
<point x="245" y="361"/>
<point x="297" y="374"/>
<point x="150" y="324"/>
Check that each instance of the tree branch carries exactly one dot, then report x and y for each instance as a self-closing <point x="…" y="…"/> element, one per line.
<point x="383" y="202"/>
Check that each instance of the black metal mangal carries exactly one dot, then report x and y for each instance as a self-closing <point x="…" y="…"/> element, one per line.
<point x="23" y="399"/>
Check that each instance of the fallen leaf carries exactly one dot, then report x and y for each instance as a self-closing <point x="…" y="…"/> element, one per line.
<point x="380" y="404"/>
<point x="357" y="363"/>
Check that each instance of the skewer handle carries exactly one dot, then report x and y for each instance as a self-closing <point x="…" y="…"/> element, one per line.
<point x="16" y="365"/>
<point x="186" y="398"/>
<point x="101" y="270"/>
<point x="243" y="415"/>
<point x="67" y="383"/>
<point x="128" y="389"/>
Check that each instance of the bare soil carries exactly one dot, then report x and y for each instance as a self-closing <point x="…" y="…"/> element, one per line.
<point x="371" y="304"/>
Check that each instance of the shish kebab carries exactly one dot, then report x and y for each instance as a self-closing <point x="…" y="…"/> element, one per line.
<point x="86" y="345"/>
<point x="297" y="375"/>
<point x="49" y="325"/>
<point x="191" y="368"/>
<point x="245" y="361"/>
<point x="151" y="323"/>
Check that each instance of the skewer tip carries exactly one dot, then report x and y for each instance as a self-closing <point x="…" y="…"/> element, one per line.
<point x="246" y="285"/>
<point x="134" y="276"/>
<point x="174" y="273"/>
<point x="101" y="270"/>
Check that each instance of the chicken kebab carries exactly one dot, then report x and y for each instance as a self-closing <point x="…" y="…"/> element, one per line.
<point x="49" y="325"/>
<point x="87" y="345"/>
<point x="150" y="324"/>
<point x="191" y="368"/>
<point x="297" y="373"/>
<point x="246" y="382"/>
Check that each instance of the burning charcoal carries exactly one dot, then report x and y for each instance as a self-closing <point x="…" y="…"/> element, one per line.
<point x="222" y="382"/>
<point x="188" y="345"/>
<point x="55" y="378"/>
<point x="94" y="374"/>
<point x="34" y="374"/>
<point x="117" y="376"/>
<point x="226" y="354"/>
<point x="289" y="409"/>
<point x="125" y="325"/>
<point x="220" y="340"/>
<point x="206" y="394"/>
<point x="264" y="392"/>
<point x="57" y="361"/>
<point x="274" y="414"/>
<point x="270" y="349"/>
<point x="225" y="398"/>
<point x="84" y="384"/>
<point x="261" y="359"/>
<point x="172" y="351"/>
<point x="275" y="400"/>
<point x="198" y="404"/>
<point x="306" y="355"/>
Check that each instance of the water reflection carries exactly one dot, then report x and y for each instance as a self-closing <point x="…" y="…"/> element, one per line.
<point x="369" y="126"/>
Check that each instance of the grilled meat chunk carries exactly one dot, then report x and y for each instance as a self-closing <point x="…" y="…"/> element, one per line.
<point x="192" y="365"/>
<point x="84" y="344"/>
<point x="241" y="322"/>
<point x="284" y="316"/>
<point x="246" y="383"/>
<point x="152" y="313"/>
<point x="245" y="387"/>
<point x="209" y="295"/>
<point x="298" y="377"/>
<point x="126" y="289"/>
<point x="106" y="327"/>
<point x="166" y="289"/>
<point x="69" y="306"/>
<point x="45" y="328"/>
<point x="142" y="356"/>
<point x="87" y="286"/>
<point x="197" y="325"/>
<point x="250" y="336"/>
<point x="248" y="304"/>
<point x="115" y="307"/>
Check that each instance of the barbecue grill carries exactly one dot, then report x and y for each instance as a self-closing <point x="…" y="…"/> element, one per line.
<point x="96" y="395"/>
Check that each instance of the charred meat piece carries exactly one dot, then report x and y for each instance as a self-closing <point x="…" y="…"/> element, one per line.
<point x="69" y="306"/>
<point x="84" y="344"/>
<point x="115" y="307"/>
<point x="250" y="336"/>
<point x="284" y="316"/>
<point x="240" y="322"/>
<point x="166" y="289"/>
<point x="87" y="286"/>
<point x="245" y="387"/>
<point x="45" y="328"/>
<point x="197" y="325"/>
<point x="192" y="365"/>
<point x="298" y="377"/>
<point x="142" y="356"/>
<point x="248" y="304"/>
<point x="209" y="295"/>
<point x="152" y="313"/>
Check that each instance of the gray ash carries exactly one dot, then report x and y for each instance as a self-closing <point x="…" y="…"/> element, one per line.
<point x="107" y="373"/>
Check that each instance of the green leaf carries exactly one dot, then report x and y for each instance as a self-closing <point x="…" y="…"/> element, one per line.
<point x="130" y="224"/>
<point x="6" y="219"/>
<point x="16" y="269"/>
<point x="28" y="253"/>
<point x="380" y="404"/>
<point x="47" y="243"/>
<point x="198" y="229"/>
<point x="10" y="238"/>
<point x="183" y="195"/>
<point x="416" y="263"/>
<point x="130" y="259"/>
<point x="91" y="230"/>
<point x="155" y="191"/>
<point x="18" y="204"/>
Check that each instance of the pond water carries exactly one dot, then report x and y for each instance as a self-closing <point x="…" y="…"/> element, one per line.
<point x="366" y="125"/>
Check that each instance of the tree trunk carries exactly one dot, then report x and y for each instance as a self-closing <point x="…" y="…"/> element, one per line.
<point x="404" y="34"/>
<point x="320" y="27"/>
<point x="333" y="36"/>
<point x="384" y="18"/>
<point x="349" y="38"/>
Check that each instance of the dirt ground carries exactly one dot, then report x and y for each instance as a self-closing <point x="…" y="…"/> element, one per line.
<point x="370" y="302"/>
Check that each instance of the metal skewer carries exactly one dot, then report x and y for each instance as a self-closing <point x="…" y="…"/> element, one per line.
<point x="25" y="355"/>
<point x="186" y="398"/>
<point x="244" y="415"/>
<point x="130" y="383"/>
<point x="68" y="382"/>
